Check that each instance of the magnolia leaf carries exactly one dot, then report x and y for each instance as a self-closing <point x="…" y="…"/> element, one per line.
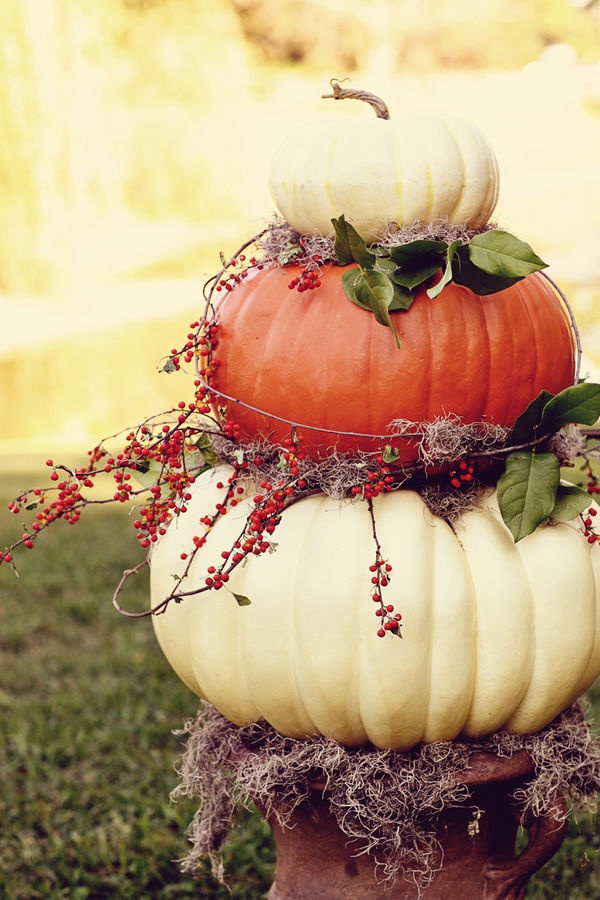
<point x="527" y="491"/>
<point x="499" y="253"/>
<point x="349" y="281"/>
<point x="386" y="265"/>
<point x="525" y="427"/>
<point x="413" y="253"/>
<point x="412" y="276"/>
<point x="446" y="278"/>
<point x="341" y="246"/>
<point x="349" y="246"/>
<point x="403" y="298"/>
<point x="358" y="248"/>
<point x="376" y="290"/>
<point x="578" y="404"/>
<point x="570" y="502"/>
<point x="468" y="274"/>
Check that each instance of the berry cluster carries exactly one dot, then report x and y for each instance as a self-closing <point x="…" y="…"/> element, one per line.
<point x="239" y="267"/>
<point x="462" y="476"/>
<point x="380" y="579"/>
<point x="309" y="278"/>
<point x="593" y="482"/>
<point x="378" y="480"/>
<point x="588" y="525"/>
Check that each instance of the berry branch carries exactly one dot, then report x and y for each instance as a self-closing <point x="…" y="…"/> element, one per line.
<point x="381" y="569"/>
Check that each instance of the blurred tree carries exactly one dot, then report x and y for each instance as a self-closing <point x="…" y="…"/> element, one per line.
<point x="388" y="35"/>
<point x="53" y="161"/>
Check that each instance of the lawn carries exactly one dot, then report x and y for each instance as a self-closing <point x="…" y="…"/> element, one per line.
<point x="88" y="707"/>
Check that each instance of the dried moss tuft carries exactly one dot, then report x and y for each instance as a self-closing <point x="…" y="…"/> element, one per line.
<point x="383" y="800"/>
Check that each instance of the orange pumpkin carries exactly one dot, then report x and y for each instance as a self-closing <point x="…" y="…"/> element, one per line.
<point x="323" y="364"/>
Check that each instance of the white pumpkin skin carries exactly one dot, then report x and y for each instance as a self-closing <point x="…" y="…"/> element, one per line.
<point x="416" y="167"/>
<point x="495" y="635"/>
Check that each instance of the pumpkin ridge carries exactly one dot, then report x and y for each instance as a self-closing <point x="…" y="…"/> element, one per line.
<point x="445" y="542"/>
<point x="397" y="169"/>
<point x="297" y="613"/>
<point x="462" y="181"/>
<point x="542" y="566"/>
<point x="504" y="600"/>
<point x="487" y="331"/>
<point x="538" y="358"/>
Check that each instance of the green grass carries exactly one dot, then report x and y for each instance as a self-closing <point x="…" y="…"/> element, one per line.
<point x="88" y="707"/>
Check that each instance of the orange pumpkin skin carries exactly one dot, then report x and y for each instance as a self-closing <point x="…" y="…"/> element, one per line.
<point x="319" y="361"/>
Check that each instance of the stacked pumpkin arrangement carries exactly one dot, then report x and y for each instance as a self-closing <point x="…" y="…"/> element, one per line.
<point x="394" y="381"/>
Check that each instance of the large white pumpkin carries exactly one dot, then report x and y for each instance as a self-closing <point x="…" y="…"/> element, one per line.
<point x="496" y="635"/>
<point x="416" y="167"/>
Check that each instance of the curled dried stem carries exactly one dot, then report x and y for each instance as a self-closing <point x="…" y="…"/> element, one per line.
<point x="345" y="93"/>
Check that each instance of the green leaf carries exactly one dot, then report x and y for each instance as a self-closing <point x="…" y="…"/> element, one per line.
<point x="412" y="254"/>
<point x="403" y="298"/>
<point x="341" y="245"/>
<point x="446" y="278"/>
<point x="468" y="274"/>
<point x="499" y="253"/>
<point x="570" y="502"/>
<point x="525" y="427"/>
<point x="390" y="454"/>
<point x="578" y="404"/>
<point x="527" y="491"/>
<point x="349" y="280"/>
<point x="205" y="447"/>
<point x="386" y="265"/>
<point x="412" y="276"/>
<point x="375" y="291"/>
<point x="349" y="246"/>
<point x="241" y="600"/>
<point x="168" y="366"/>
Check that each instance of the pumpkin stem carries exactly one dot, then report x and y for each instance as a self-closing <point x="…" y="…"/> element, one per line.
<point x="343" y="93"/>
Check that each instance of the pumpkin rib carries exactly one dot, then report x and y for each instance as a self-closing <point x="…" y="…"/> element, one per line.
<point x="504" y="616"/>
<point x="300" y="654"/>
<point x="552" y="687"/>
<point x="398" y="173"/>
<point x="537" y="357"/>
<point x="463" y="174"/>
<point x="444" y="720"/>
<point x="508" y="352"/>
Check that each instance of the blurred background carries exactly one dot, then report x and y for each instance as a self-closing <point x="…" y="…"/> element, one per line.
<point x="135" y="147"/>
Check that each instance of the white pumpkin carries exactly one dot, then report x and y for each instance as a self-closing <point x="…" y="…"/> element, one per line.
<point x="496" y="635"/>
<point x="416" y="167"/>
